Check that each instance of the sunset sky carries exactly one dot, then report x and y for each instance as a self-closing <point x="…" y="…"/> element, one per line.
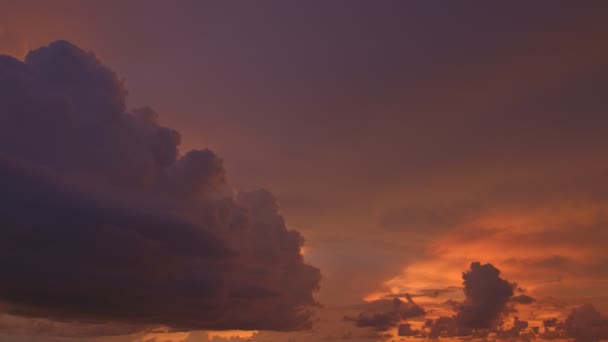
<point x="295" y="171"/>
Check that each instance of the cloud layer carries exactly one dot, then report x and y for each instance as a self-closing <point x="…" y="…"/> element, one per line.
<point x="104" y="220"/>
<point x="383" y="314"/>
<point x="485" y="305"/>
<point x="487" y="312"/>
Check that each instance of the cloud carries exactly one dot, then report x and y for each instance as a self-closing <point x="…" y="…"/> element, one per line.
<point x="444" y="326"/>
<point x="15" y="325"/>
<point x="483" y="314"/>
<point x="384" y="314"/>
<point x="429" y="293"/>
<point x="486" y="294"/>
<point x="584" y="324"/>
<point x="550" y="322"/>
<point x="406" y="330"/>
<point x="517" y="331"/>
<point x="522" y="299"/>
<point x="104" y="221"/>
<point x="486" y="301"/>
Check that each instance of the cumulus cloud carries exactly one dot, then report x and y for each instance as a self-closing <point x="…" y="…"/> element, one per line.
<point x="584" y="324"/>
<point x="486" y="294"/>
<point x="103" y="220"/>
<point x="381" y="315"/>
<point x="486" y="301"/>
<point x="484" y="314"/>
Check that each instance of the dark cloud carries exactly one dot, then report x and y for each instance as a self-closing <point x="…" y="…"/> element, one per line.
<point x="522" y="299"/>
<point x="406" y="330"/>
<point x="444" y="326"/>
<point x="453" y="304"/>
<point x="549" y="323"/>
<point x="486" y="301"/>
<point x="450" y="327"/>
<point x="430" y="293"/>
<point x="102" y="220"/>
<point x="384" y="314"/>
<point x="517" y="331"/>
<point x="583" y="324"/>
<point x="14" y="325"/>
<point x="483" y="314"/>
<point x="486" y="294"/>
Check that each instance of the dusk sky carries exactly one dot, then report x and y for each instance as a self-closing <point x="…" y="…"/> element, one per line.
<point x="295" y="171"/>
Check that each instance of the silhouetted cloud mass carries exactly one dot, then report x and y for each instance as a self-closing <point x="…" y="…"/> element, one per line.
<point x="486" y="301"/>
<point x="483" y="314"/>
<point x="103" y="220"/>
<point x="381" y="315"/>
<point x="583" y="324"/>
<point x="486" y="294"/>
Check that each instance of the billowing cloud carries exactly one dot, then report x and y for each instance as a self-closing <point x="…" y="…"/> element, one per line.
<point x="486" y="302"/>
<point x="103" y="220"/>
<point x="486" y="294"/>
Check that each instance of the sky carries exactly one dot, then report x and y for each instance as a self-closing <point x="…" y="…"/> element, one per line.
<point x="303" y="170"/>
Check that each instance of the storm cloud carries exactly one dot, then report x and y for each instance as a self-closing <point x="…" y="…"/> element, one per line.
<point x="104" y="220"/>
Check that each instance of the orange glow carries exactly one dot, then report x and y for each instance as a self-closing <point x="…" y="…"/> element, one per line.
<point x="244" y="334"/>
<point x="164" y="336"/>
<point x="512" y="242"/>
